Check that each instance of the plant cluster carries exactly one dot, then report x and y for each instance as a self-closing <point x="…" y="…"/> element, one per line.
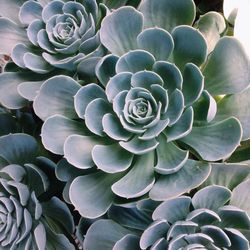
<point x="123" y="125"/>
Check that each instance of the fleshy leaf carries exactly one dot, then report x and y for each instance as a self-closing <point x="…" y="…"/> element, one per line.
<point x="111" y="158"/>
<point x="238" y="240"/>
<point x="238" y="106"/>
<point x="227" y="175"/>
<point x="10" y="35"/>
<point x="10" y="9"/>
<point x="170" y="74"/>
<point x="105" y="68"/>
<point x="112" y="127"/>
<point x="138" y="180"/>
<point x="173" y="210"/>
<point x="212" y="197"/>
<point x="193" y="83"/>
<point x="189" y="46"/>
<point x="55" y="131"/>
<point x="170" y="158"/>
<point x="103" y="234"/>
<point x="36" y="63"/>
<point x="56" y="96"/>
<point x="155" y="231"/>
<point x="129" y="241"/>
<point x="234" y="76"/>
<point x="139" y="147"/>
<point x="40" y="236"/>
<point x="240" y="196"/>
<point x="191" y="175"/>
<point x="175" y="107"/>
<point x="167" y="14"/>
<point x="134" y="61"/>
<point x="156" y="41"/>
<point x="118" y="83"/>
<point x="130" y="217"/>
<point x="211" y="25"/>
<point x="9" y="96"/>
<point x="119" y="30"/>
<point x="216" y="141"/>
<point x="77" y="150"/>
<point x="205" y="108"/>
<point x="217" y="234"/>
<point x="91" y="194"/>
<point x="18" y="148"/>
<point x="85" y="95"/>
<point x="233" y="217"/>
<point x="182" y="127"/>
<point x="180" y="228"/>
<point x="29" y="12"/>
<point x="18" y="53"/>
<point x="146" y="79"/>
<point x="29" y="90"/>
<point x="7" y="124"/>
<point x="94" y="114"/>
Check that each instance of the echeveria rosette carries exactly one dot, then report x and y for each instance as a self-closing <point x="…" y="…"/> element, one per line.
<point x="47" y="38"/>
<point x="212" y="219"/>
<point x="145" y="108"/>
<point x="27" y="219"/>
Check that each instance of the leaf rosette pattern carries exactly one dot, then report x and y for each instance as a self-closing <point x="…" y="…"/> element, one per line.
<point x="26" y="220"/>
<point x="152" y="126"/>
<point x="208" y="220"/>
<point x="47" y="38"/>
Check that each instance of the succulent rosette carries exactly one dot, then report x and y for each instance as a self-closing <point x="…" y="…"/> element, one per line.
<point x="28" y="220"/>
<point x="155" y="122"/>
<point x="212" y="219"/>
<point x="46" y="38"/>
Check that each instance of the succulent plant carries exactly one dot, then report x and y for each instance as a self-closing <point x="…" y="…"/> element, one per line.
<point x="208" y="220"/>
<point x="46" y="38"/>
<point x="29" y="220"/>
<point x="158" y="117"/>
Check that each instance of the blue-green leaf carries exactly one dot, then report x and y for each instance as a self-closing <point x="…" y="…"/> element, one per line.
<point x="240" y="196"/>
<point x="111" y="158"/>
<point x="55" y="131"/>
<point x="211" y="25"/>
<point x="216" y="141"/>
<point x="18" y="148"/>
<point x="238" y="106"/>
<point x="189" y="46"/>
<point x="234" y="76"/>
<point x="103" y="234"/>
<point x="30" y="11"/>
<point x="211" y="197"/>
<point x="91" y="194"/>
<point x="10" y="35"/>
<point x="170" y="158"/>
<point x="120" y="29"/>
<point x="134" y="61"/>
<point x="138" y="180"/>
<point x="56" y="97"/>
<point x="191" y="175"/>
<point x="9" y="96"/>
<point x="173" y="210"/>
<point x="156" y="41"/>
<point x="167" y="14"/>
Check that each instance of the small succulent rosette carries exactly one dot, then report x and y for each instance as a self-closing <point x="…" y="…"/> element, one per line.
<point x="165" y="108"/>
<point x="211" y="219"/>
<point x="27" y="219"/>
<point x="46" y="38"/>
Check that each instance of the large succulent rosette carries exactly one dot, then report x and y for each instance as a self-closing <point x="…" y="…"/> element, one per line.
<point x="158" y="116"/>
<point x="46" y="38"/>
<point x="28" y="220"/>
<point x="212" y="219"/>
